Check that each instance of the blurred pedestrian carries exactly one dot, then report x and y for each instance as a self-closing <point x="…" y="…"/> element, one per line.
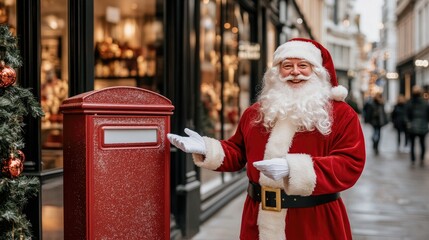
<point x="418" y="118"/>
<point x="377" y="117"/>
<point x="399" y="120"/>
<point x="300" y="144"/>
<point x="366" y="109"/>
<point x="350" y="99"/>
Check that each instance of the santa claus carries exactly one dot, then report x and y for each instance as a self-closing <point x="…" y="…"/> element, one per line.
<point x="301" y="143"/>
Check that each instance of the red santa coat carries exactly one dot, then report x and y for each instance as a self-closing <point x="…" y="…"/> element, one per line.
<point x="318" y="164"/>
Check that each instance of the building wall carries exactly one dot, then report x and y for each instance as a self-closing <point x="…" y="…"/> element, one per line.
<point x="421" y="12"/>
<point x="405" y="30"/>
<point x="313" y="16"/>
<point x="387" y="47"/>
<point x="341" y="38"/>
<point x="405" y="45"/>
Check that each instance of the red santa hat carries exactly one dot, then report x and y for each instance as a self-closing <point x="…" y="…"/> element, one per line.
<point x="317" y="55"/>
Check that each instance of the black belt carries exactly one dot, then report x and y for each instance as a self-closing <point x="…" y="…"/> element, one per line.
<point x="275" y="198"/>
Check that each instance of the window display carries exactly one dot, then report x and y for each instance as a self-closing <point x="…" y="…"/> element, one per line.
<point x="8" y="14"/>
<point x="128" y="44"/>
<point x="54" y="79"/>
<point x="225" y="78"/>
<point x="54" y="87"/>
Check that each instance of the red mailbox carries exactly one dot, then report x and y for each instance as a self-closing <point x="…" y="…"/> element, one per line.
<point x="117" y="165"/>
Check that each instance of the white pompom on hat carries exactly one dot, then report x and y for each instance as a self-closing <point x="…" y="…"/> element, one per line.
<point x="317" y="55"/>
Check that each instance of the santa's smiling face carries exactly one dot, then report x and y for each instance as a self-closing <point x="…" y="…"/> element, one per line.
<point x="295" y="72"/>
<point x="296" y="90"/>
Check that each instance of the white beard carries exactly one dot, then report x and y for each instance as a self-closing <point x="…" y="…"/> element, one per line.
<point x="307" y="107"/>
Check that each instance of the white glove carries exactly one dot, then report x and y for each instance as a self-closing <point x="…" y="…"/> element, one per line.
<point x="192" y="144"/>
<point x="275" y="168"/>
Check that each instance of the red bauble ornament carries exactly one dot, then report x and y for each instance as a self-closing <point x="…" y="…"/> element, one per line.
<point x="7" y="76"/>
<point x="14" y="165"/>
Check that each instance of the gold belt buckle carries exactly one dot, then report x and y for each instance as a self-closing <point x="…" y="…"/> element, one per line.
<point x="278" y="206"/>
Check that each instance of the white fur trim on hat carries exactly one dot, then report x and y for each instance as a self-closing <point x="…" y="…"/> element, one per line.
<point x="214" y="156"/>
<point x="298" y="49"/>
<point x="339" y="93"/>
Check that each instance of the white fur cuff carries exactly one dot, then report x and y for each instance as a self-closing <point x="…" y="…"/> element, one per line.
<point x="302" y="177"/>
<point x="214" y="156"/>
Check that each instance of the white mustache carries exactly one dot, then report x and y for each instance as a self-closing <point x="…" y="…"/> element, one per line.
<point x="299" y="77"/>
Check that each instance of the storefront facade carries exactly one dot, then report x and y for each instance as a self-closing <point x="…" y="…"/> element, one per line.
<point x="207" y="56"/>
<point x="407" y="76"/>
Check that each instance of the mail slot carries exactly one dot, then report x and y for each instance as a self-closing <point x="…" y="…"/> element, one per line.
<point x="117" y="165"/>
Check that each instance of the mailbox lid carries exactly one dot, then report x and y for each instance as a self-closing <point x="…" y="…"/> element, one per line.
<point x="130" y="100"/>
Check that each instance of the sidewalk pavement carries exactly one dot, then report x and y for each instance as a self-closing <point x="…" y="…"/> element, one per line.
<point x="389" y="202"/>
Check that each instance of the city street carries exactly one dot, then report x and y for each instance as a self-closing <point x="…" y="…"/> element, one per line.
<point x="389" y="202"/>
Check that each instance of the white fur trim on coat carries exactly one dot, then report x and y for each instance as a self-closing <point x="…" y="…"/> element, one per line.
<point x="302" y="177"/>
<point x="280" y="139"/>
<point x="214" y="156"/>
<point x="339" y="93"/>
<point x="271" y="225"/>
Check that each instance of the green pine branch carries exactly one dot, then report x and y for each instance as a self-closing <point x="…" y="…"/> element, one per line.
<point x="14" y="194"/>
<point x="9" y="51"/>
<point x="15" y="104"/>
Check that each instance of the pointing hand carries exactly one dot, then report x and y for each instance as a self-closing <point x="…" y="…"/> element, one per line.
<point x="192" y="144"/>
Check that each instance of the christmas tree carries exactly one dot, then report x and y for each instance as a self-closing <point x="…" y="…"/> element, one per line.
<point x="15" y="104"/>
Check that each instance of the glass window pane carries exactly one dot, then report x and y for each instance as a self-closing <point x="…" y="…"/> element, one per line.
<point x="54" y="78"/>
<point x="225" y="78"/>
<point x="211" y="84"/>
<point x="244" y="63"/>
<point x="230" y="65"/>
<point x="128" y="44"/>
<point x="271" y="42"/>
<point x="210" y="68"/>
<point x="8" y="14"/>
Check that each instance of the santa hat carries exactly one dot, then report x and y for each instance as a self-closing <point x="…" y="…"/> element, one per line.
<point x="317" y="55"/>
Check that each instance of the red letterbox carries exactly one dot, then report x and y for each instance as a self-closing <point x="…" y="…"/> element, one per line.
<point x="117" y="165"/>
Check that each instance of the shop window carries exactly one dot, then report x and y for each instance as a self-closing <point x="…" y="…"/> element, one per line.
<point x="128" y="44"/>
<point x="8" y="14"/>
<point x="211" y="85"/>
<point x="225" y="78"/>
<point x="54" y="79"/>
<point x="271" y="42"/>
<point x="54" y="89"/>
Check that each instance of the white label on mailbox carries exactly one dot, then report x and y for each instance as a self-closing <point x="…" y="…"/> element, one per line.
<point x="123" y="136"/>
